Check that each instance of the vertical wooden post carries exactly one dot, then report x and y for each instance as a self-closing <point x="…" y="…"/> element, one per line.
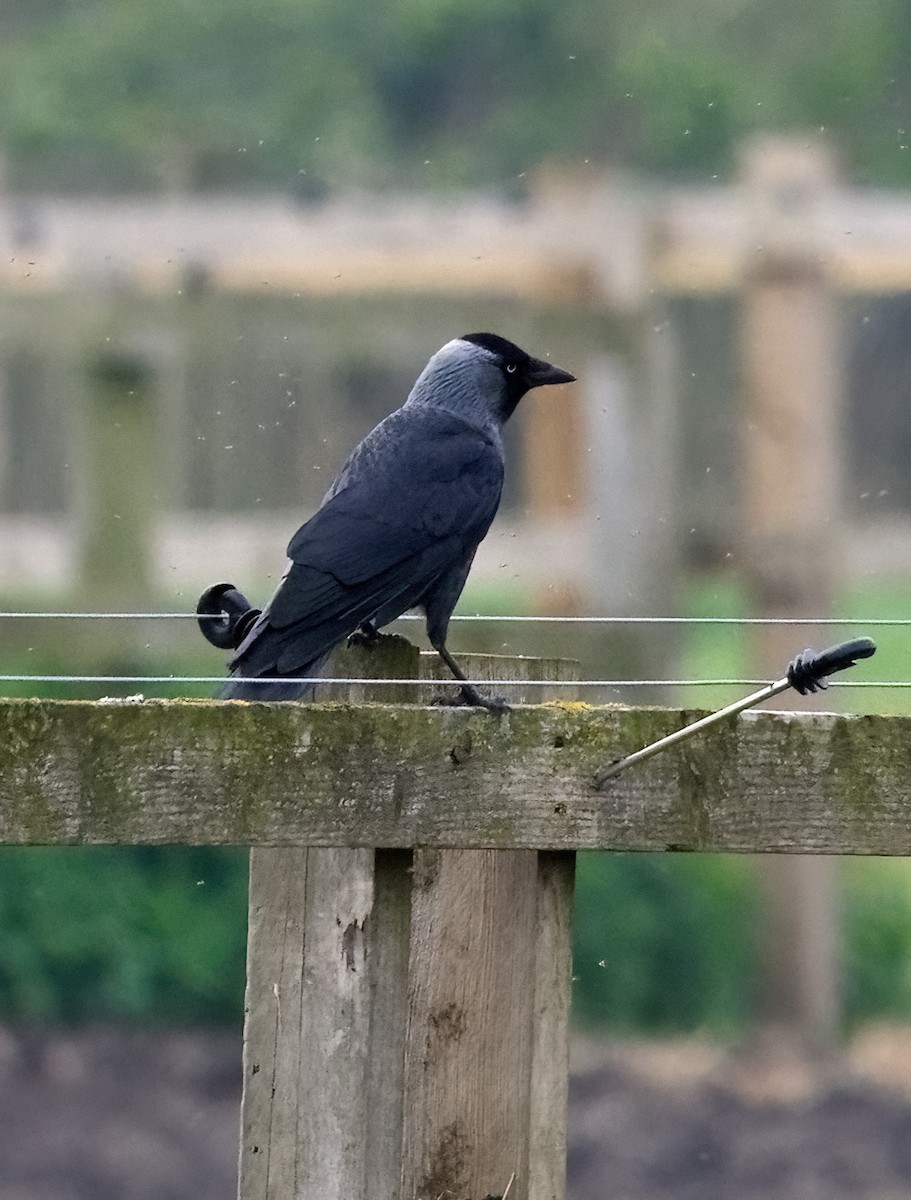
<point x="553" y="437"/>
<point x="486" y="1057"/>
<point x="327" y="956"/>
<point x="793" y="373"/>
<point x="407" y="1013"/>
<point x="470" y="1012"/>
<point x="550" y="1031"/>
<point x="117" y="532"/>
<point x="486" y="1062"/>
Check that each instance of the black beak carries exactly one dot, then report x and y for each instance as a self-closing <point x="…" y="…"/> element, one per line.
<point x="540" y="373"/>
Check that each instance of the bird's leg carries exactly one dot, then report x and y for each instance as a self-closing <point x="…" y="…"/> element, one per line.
<point x="366" y="634"/>
<point x="468" y="693"/>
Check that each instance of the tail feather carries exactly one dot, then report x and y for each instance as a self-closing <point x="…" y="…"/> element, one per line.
<point x="261" y="688"/>
<point x="266" y="686"/>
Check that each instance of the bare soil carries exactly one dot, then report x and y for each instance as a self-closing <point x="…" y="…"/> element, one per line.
<point x="689" y="1120"/>
<point x="107" y="1114"/>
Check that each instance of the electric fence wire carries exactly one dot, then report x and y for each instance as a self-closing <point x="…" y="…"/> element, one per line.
<point x="879" y="622"/>
<point x="499" y="683"/>
<point x="505" y="619"/>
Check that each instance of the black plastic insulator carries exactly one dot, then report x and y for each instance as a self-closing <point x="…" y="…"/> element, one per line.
<point x="236" y="614"/>
<point x="808" y="671"/>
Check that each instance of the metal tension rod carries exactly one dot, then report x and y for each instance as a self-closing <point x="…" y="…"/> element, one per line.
<point x="807" y="673"/>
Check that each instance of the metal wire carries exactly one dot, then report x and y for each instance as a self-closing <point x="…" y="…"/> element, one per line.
<point x="116" y="616"/>
<point x="586" y="683"/>
<point x="550" y="683"/>
<point x="478" y="617"/>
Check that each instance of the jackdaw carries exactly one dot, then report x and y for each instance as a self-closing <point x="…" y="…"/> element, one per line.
<point x="397" y="530"/>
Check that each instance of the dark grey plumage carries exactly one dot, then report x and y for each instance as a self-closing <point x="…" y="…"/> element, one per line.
<point x="399" y="527"/>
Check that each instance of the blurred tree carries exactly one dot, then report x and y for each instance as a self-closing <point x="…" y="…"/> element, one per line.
<point x="186" y="94"/>
<point x="151" y="934"/>
<point x="663" y="943"/>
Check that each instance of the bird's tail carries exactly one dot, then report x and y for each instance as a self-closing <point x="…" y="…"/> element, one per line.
<point x="225" y="618"/>
<point x="261" y="687"/>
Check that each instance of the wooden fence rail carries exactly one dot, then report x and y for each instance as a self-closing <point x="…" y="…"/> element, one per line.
<point x="411" y="875"/>
<point x="373" y="776"/>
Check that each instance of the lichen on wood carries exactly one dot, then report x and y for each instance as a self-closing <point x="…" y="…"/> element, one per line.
<point x="405" y="775"/>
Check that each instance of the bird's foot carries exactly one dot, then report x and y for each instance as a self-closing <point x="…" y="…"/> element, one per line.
<point x="366" y="635"/>
<point x="469" y="696"/>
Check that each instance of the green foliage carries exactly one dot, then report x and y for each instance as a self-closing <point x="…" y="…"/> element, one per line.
<point x="667" y="943"/>
<point x="184" y="93"/>
<point x="150" y="934"/>
<point x="876" y="917"/>
<point x="663" y="943"/>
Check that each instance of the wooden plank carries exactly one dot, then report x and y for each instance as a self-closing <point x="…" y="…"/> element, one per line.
<point x="334" y="1045"/>
<point x="324" y="1024"/>
<point x="793" y="352"/>
<point x="390" y="938"/>
<point x="327" y="954"/>
<point x="550" y="1027"/>
<point x="307" y="1025"/>
<point x="258" y="774"/>
<point x="272" y="1020"/>
<point x="469" y="1045"/>
<point x="118" y="496"/>
<point x="469" y="1063"/>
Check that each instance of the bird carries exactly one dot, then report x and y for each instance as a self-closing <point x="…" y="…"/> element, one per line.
<point x="397" y="530"/>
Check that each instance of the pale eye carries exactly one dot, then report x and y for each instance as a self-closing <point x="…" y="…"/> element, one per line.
<point x="511" y="368"/>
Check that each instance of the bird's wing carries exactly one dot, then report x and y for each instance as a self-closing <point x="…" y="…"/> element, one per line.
<point x="413" y="501"/>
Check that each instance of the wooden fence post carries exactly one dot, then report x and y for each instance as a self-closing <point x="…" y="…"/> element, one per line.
<point x="119" y="438"/>
<point x="793" y="372"/>
<point x="553" y="438"/>
<point x="327" y="954"/>
<point x="486" y="1051"/>
<point x="406" y="1013"/>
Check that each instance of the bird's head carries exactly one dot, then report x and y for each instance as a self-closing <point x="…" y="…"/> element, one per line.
<point x="519" y="372"/>
<point x="488" y="370"/>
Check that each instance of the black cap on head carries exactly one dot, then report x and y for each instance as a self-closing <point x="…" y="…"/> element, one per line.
<point x="496" y="344"/>
<point x="533" y="372"/>
<point x="520" y="370"/>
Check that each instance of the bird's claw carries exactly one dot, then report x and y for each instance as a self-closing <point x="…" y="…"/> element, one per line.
<point x="802" y="673"/>
<point x="469" y="697"/>
<point x="366" y="635"/>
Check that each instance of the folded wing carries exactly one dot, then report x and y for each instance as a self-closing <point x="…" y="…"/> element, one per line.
<point x="411" y="504"/>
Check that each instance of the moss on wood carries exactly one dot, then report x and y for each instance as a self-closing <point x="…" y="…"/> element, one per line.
<point x="397" y="775"/>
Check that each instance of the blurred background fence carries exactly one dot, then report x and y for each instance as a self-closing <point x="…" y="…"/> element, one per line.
<point x="273" y="335"/>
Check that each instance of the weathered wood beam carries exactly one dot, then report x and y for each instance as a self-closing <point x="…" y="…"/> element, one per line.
<point x="407" y="1010"/>
<point x="372" y="775"/>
